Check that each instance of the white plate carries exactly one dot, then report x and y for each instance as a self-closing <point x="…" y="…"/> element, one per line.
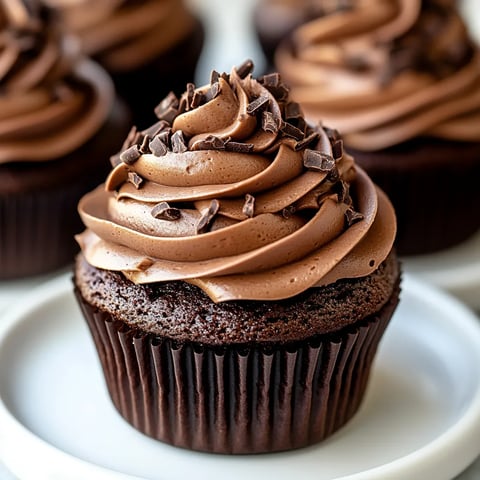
<point x="420" y="418"/>
<point x="456" y="270"/>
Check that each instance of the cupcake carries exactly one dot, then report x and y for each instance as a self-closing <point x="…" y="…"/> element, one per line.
<point x="237" y="272"/>
<point x="59" y="123"/>
<point x="274" y="20"/>
<point x="401" y="81"/>
<point x="149" y="47"/>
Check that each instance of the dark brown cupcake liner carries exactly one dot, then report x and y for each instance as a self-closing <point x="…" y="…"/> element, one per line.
<point x="36" y="230"/>
<point x="236" y="399"/>
<point x="433" y="188"/>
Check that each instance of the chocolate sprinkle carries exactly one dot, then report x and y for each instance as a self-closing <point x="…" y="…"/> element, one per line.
<point x="291" y="131"/>
<point x="135" y="179"/>
<point x="257" y="105"/>
<point x="238" y="147"/>
<point x="144" y="147"/>
<point x="157" y="147"/>
<point x="353" y="217"/>
<point x="318" y="161"/>
<point x="287" y="212"/>
<point x="306" y="141"/>
<point x="208" y="216"/>
<point x="167" y="109"/>
<point x="178" y="142"/>
<point x="269" y="124"/>
<point x="211" y="142"/>
<point x="249" y="206"/>
<point x="130" y="155"/>
<point x="163" y="211"/>
<point x="245" y="68"/>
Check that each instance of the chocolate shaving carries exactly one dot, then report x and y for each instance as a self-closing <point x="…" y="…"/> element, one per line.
<point x="353" y="217"/>
<point x="178" y="142"/>
<point x="130" y="155"/>
<point x="189" y="94"/>
<point x="163" y="211"/>
<point x="198" y="99"/>
<point x="135" y="179"/>
<point x="157" y="147"/>
<point x="212" y="92"/>
<point x="306" y="141"/>
<point x="269" y="123"/>
<point x="165" y="136"/>
<point x="156" y="128"/>
<point x="210" y="143"/>
<point x="208" y="216"/>
<point x="272" y="82"/>
<point x="144" y="147"/>
<point x="287" y="212"/>
<point x="337" y="149"/>
<point x="342" y="190"/>
<point x="293" y="111"/>
<point x="245" y="68"/>
<point x="257" y="105"/>
<point x="291" y="131"/>
<point x="214" y="76"/>
<point x="318" y="161"/>
<point x="167" y="109"/>
<point x="238" y="147"/>
<point x="249" y="206"/>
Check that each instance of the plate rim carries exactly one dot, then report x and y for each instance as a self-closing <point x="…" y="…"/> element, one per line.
<point x="462" y="431"/>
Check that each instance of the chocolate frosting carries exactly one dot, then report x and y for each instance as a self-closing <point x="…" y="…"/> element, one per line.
<point x="52" y="99"/>
<point x="125" y="34"/>
<point x="386" y="71"/>
<point x="234" y="192"/>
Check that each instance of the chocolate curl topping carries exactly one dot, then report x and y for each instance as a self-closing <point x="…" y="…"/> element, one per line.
<point x="214" y="76"/>
<point x="312" y="137"/>
<point x="167" y="109"/>
<point x="249" y="206"/>
<point x="269" y="123"/>
<point x="211" y="142"/>
<point x="144" y="147"/>
<point x="163" y="211"/>
<point x="318" y="161"/>
<point x="135" y="179"/>
<point x="273" y="83"/>
<point x="245" y="68"/>
<point x="131" y="155"/>
<point x="208" y="216"/>
<point x="291" y="131"/>
<point x="157" y="147"/>
<point x="352" y="216"/>
<point x="257" y="105"/>
<point x="178" y="142"/>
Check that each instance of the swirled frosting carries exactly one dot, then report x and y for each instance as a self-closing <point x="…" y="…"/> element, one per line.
<point x="52" y="100"/>
<point x="125" y="34"/>
<point x="234" y="192"/>
<point x="386" y="71"/>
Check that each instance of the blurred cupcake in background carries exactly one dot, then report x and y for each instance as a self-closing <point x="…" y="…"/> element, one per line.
<point x="274" y="20"/>
<point x="59" y="123"/>
<point x="150" y="47"/>
<point x="400" y="79"/>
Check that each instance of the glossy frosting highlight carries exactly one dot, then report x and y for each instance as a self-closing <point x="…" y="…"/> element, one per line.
<point x="386" y="71"/>
<point x="125" y="34"/>
<point x="52" y="100"/>
<point x="234" y="192"/>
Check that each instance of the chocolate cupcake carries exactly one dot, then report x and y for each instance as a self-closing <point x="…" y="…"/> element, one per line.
<point x="237" y="272"/>
<point x="59" y="123"/>
<point x="149" y="47"/>
<point x="275" y="20"/>
<point x="403" y="87"/>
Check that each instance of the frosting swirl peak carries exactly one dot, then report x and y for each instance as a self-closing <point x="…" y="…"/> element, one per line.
<point x="233" y="191"/>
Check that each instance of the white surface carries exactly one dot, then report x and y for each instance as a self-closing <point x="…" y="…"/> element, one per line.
<point x="420" y="419"/>
<point x="456" y="270"/>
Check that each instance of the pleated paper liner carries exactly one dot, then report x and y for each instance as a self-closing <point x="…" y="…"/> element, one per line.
<point x="235" y="399"/>
<point x="36" y="230"/>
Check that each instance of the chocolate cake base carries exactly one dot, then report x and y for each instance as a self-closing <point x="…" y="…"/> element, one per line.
<point x="38" y="202"/>
<point x="210" y="389"/>
<point x="144" y="87"/>
<point x="433" y="185"/>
